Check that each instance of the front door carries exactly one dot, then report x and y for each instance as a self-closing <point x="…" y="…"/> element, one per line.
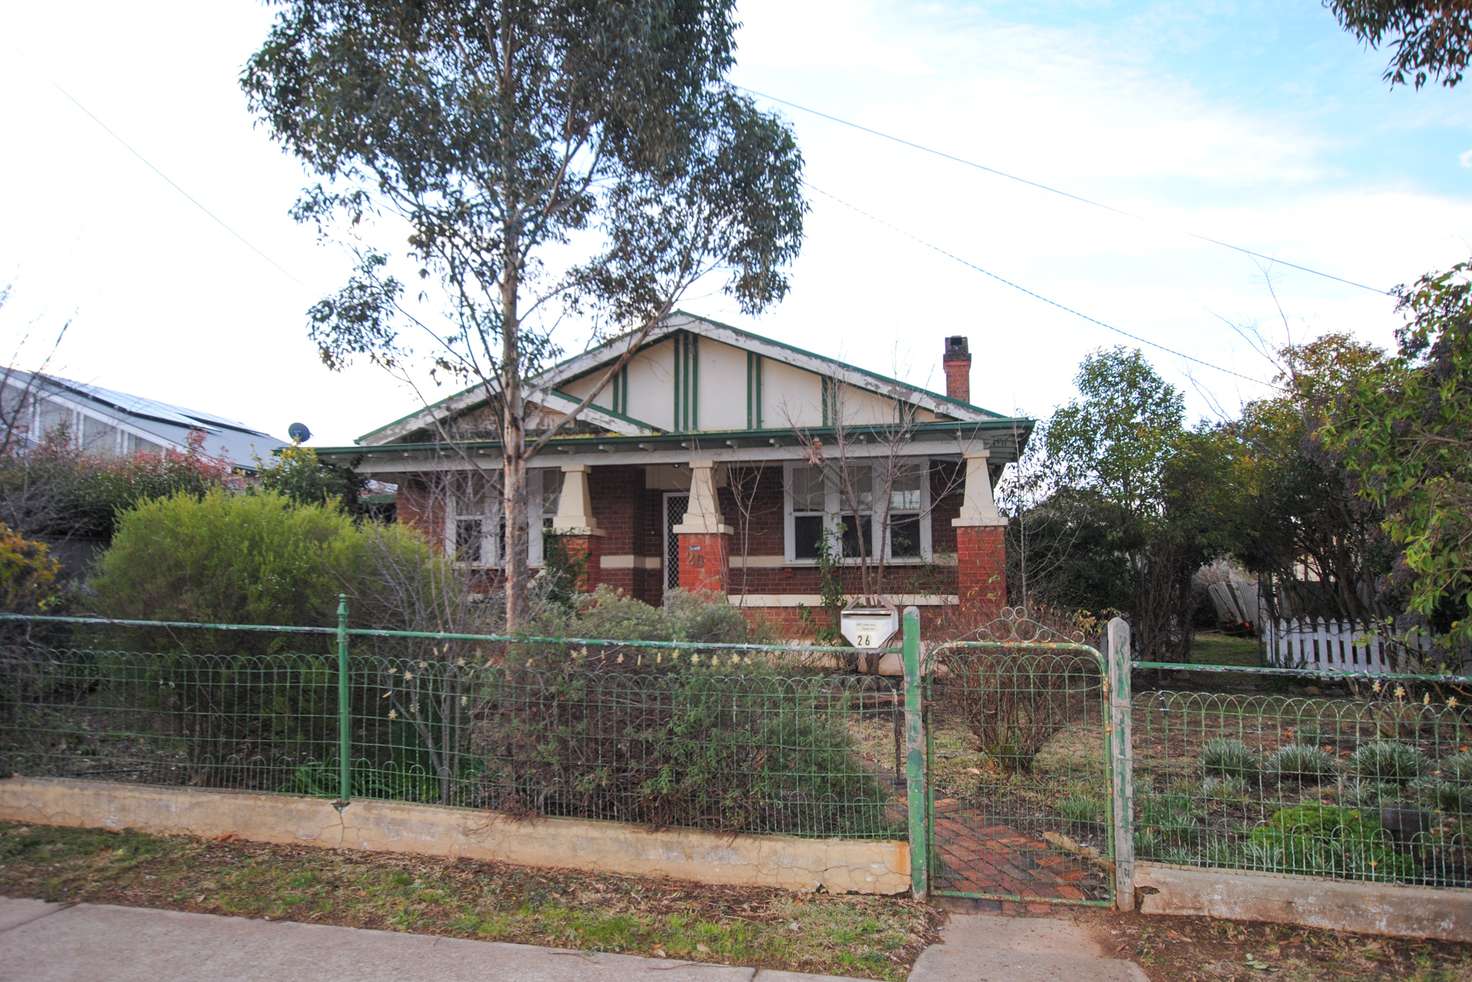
<point x="676" y="503"/>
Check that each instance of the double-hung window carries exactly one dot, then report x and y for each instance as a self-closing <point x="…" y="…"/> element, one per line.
<point x="849" y="507"/>
<point x="475" y="525"/>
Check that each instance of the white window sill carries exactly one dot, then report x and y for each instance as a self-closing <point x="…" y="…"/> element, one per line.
<point x="854" y="561"/>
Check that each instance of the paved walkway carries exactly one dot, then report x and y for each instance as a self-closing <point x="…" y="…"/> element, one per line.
<point x="978" y="854"/>
<point x="994" y="948"/>
<point x="41" y="942"/>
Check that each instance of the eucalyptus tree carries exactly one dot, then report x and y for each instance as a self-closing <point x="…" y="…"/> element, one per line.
<point x="525" y="161"/>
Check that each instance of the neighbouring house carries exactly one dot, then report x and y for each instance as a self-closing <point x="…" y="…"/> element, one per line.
<point x="720" y="460"/>
<point x="107" y="423"/>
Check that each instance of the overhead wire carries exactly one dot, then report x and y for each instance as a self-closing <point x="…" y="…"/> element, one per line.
<point x="1060" y="192"/>
<point x="941" y="250"/>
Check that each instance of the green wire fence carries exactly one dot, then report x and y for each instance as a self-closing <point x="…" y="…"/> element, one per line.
<point x="1359" y="778"/>
<point x="725" y="737"/>
<point x="1015" y="768"/>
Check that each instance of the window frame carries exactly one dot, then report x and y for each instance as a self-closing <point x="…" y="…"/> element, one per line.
<point x="490" y="519"/>
<point x="834" y="512"/>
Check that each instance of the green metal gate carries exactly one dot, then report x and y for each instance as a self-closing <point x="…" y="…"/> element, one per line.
<point x="1019" y="802"/>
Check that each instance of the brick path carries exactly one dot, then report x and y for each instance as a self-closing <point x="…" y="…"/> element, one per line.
<point x="975" y="853"/>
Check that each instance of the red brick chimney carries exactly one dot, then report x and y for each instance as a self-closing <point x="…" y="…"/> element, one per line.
<point x="957" y="364"/>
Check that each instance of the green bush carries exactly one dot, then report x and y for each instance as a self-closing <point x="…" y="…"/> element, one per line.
<point x="269" y="698"/>
<point x="1296" y="763"/>
<point x="1229" y="758"/>
<point x="251" y="559"/>
<point x="1328" y="840"/>
<point x="1387" y="760"/>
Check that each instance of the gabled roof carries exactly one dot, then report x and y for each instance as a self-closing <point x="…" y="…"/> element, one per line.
<point x="543" y="388"/>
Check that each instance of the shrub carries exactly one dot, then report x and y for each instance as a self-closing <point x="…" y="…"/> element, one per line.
<point x="1229" y="758"/>
<point x="27" y="573"/>
<point x="1013" y="703"/>
<point x="59" y="492"/>
<point x="1299" y="764"/>
<point x="263" y="697"/>
<point x="684" y="737"/>
<point x="1328" y="840"/>
<point x="1387" y="760"/>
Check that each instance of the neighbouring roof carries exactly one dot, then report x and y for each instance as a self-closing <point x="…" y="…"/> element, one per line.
<point x="238" y="444"/>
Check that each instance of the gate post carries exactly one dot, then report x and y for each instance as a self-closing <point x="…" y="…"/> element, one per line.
<point x="915" y="788"/>
<point x="1121" y="764"/>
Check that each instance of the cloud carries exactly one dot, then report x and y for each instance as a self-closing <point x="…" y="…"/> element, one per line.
<point x="1465" y="158"/>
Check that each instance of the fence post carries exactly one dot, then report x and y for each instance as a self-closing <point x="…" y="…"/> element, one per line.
<point x="344" y="710"/>
<point x="1122" y="766"/>
<point x="915" y="791"/>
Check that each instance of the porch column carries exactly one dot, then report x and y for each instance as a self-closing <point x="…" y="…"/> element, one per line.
<point x="574" y="525"/>
<point x="704" y="538"/>
<point x="981" y="544"/>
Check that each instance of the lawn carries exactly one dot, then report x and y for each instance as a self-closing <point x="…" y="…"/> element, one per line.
<point x="871" y="937"/>
<point x="1215" y="648"/>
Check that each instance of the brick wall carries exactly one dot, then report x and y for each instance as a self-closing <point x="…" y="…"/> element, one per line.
<point x="631" y="518"/>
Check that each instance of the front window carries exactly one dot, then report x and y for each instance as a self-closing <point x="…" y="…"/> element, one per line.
<point x="849" y="507"/>
<point x="475" y="529"/>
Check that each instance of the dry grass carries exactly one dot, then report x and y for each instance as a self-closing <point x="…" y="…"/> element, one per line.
<point x="871" y="937"/>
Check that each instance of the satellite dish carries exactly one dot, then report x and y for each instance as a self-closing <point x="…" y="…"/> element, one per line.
<point x="298" y="432"/>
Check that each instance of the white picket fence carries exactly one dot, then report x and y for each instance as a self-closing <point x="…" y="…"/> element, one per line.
<point x="1337" y="646"/>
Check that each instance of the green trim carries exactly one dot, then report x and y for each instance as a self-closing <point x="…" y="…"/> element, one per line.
<point x="945" y="429"/>
<point x="694" y="421"/>
<point x="760" y="368"/>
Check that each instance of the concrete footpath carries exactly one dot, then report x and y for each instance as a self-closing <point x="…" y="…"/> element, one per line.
<point x="995" y="948"/>
<point x="41" y="942"/>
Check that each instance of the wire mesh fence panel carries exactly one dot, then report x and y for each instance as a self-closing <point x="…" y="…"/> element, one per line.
<point x="1019" y="772"/>
<point x="720" y="737"/>
<point x="245" y="721"/>
<point x="683" y="736"/>
<point x="1373" y="782"/>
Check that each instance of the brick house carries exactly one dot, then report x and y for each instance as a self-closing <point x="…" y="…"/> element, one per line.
<point x="720" y="460"/>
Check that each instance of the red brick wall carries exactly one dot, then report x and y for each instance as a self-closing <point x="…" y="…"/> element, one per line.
<point x="758" y="520"/>
<point x="632" y="521"/>
<point x="981" y="560"/>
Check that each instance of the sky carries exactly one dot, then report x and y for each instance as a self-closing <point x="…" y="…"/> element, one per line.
<point x="1255" y="123"/>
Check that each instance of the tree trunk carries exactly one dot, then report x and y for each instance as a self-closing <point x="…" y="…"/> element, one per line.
<point x="513" y="461"/>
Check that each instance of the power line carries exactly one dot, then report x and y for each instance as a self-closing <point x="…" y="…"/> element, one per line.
<point x="1050" y="189"/>
<point x="176" y="186"/>
<point x="1031" y="293"/>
